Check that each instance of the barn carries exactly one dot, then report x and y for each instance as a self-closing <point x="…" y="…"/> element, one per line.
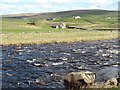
<point x="77" y="17"/>
<point x="59" y="25"/>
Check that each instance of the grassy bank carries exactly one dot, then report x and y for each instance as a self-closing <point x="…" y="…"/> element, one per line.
<point x="52" y="37"/>
<point x="18" y="31"/>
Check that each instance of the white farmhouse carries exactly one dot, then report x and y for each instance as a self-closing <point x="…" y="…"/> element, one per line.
<point x="59" y="25"/>
<point x="77" y="17"/>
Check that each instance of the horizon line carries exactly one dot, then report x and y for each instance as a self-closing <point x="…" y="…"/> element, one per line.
<point x="54" y="11"/>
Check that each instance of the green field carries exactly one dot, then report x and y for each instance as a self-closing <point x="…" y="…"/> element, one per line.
<point x="17" y="31"/>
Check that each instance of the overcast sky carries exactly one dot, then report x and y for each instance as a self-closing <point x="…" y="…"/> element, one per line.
<point x="34" y="6"/>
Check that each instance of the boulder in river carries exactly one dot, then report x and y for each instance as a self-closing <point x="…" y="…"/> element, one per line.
<point x="111" y="82"/>
<point x="79" y="79"/>
<point x="40" y="82"/>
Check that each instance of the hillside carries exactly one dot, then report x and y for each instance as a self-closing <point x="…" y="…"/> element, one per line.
<point x="16" y="30"/>
<point x="62" y="14"/>
<point x="90" y="19"/>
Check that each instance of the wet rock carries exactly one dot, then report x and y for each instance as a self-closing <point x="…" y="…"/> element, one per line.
<point x="56" y="77"/>
<point x="111" y="82"/>
<point x="115" y="64"/>
<point x="63" y="58"/>
<point x="118" y="79"/>
<point x="40" y="82"/>
<point x="98" y="62"/>
<point x="79" y="79"/>
<point x="59" y="63"/>
<point x="31" y="61"/>
<point x="107" y="55"/>
<point x="8" y="74"/>
<point x="67" y="54"/>
<point x="22" y="85"/>
<point x="83" y="52"/>
<point x="106" y="64"/>
<point x="98" y="85"/>
<point x="78" y="51"/>
<point x="113" y="51"/>
<point x="82" y="67"/>
<point x="38" y="65"/>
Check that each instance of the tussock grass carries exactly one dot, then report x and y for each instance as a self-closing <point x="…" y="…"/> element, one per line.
<point x="58" y="37"/>
<point x="17" y="31"/>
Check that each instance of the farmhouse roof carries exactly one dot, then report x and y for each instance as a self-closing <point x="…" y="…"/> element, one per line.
<point x="56" y="24"/>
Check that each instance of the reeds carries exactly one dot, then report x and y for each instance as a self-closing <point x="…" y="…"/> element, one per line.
<point x="56" y="37"/>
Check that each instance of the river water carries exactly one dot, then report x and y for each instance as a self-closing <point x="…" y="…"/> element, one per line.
<point x="25" y="65"/>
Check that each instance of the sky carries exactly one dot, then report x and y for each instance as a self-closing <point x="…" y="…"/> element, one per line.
<point x="39" y="6"/>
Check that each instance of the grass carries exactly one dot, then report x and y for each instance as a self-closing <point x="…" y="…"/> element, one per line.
<point x="17" y="31"/>
<point x="56" y="37"/>
<point x="92" y="21"/>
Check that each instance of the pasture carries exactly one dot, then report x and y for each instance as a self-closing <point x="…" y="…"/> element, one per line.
<point x="17" y="31"/>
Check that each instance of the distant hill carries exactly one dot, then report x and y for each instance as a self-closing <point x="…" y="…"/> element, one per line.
<point x="19" y="15"/>
<point x="60" y="14"/>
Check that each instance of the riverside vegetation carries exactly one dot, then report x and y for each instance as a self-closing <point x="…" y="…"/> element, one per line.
<point x="17" y="31"/>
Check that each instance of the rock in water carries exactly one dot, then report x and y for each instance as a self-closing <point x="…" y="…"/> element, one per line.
<point x="40" y="83"/>
<point x="111" y="82"/>
<point x="79" y="79"/>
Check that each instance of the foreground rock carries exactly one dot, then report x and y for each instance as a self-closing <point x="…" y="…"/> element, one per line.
<point x="111" y="82"/>
<point x="86" y="79"/>
<point x="79" y="79"/>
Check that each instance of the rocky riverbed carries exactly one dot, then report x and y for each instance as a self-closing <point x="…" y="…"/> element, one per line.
<point x="45" y="66"/>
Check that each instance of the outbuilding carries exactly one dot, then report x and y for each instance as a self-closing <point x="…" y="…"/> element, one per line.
<point x="59" y="25"/>
<point x="77" y="17"/>
<point x="50" y="19"/>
